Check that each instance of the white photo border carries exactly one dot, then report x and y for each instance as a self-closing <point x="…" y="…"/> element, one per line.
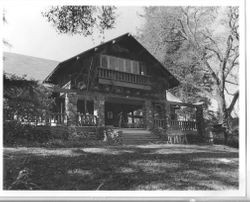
<point x="242" y="193"/>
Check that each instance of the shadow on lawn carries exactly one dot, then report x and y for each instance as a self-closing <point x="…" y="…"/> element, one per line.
<point x="133" y="169"/>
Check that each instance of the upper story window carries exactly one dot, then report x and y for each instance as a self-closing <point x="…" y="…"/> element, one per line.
<point x="123" y="65"/>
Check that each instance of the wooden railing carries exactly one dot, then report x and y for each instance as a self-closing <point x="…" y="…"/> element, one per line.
<point x="176" y="125"/>
<point x="53" y="119"/>
<point x="182" y="125"/>
<point x="86" y="120"/>
<point x="45" y="119"/>
<point x="123" y="76"/>
<point x="58" y="118"/>
<point x="160" y="123"/>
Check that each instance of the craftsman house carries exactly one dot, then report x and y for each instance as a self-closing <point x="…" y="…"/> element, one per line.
<point x="120" y="84"/>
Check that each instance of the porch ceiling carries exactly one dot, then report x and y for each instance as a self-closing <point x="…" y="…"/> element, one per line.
<point x="125" y="100"/>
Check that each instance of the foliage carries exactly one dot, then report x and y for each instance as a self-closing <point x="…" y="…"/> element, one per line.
<point x="200" y="46"/>
<point x="160" y="132"/>
<point x="15" y="133"/>
<point x="112" y="137"/>
<point x="100" y="133"/>
<point x="25" y="98"/>
<point x="81" y="19"/>
<point x="5" y="42"/>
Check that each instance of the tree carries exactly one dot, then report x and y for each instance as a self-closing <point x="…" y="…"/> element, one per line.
<point x="5" y="42"/>
<point x="25" y="98"/>
<point x="83" y="20"/>
<point x="200" y="45"/>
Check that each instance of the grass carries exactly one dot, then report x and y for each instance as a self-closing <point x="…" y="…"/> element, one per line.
<point x="144" y="167"/>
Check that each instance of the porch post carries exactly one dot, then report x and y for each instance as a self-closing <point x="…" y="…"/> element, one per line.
<point x="99" y="109"/>
<point x="148" y="114"/>
<point x="200" y="120"/>
<point x="167" y="113"/>
<point x="71" y="107"/>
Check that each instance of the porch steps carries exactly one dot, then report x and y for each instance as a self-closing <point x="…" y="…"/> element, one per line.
<point x="138" y="136"/>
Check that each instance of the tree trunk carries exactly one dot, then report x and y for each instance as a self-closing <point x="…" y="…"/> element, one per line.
<point x="223" y="117"/>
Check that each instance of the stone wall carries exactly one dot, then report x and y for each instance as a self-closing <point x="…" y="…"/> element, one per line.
<point x="71" y="107"/>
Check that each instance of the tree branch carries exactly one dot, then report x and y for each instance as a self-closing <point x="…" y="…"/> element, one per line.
<point x="228" y="91"/>
<point x="235" y="98"/>
<point x="231" y="82"/>
<point x="216" y="52"/>
<point x="233" y="64"/>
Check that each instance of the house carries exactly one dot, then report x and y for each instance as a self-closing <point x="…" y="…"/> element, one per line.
<point x="120" y="84"/>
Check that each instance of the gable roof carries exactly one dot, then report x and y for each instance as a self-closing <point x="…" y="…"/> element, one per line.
<point x="33" y="67"/>
<point x="126" y="40"/>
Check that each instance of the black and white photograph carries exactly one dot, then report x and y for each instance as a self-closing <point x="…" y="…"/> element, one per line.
<point x="108" y="97"/>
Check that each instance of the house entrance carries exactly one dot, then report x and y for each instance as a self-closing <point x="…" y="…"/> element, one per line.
<point x="124" y="115"/>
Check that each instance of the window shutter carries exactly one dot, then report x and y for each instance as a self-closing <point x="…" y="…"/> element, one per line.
<point x="104" y="61"/>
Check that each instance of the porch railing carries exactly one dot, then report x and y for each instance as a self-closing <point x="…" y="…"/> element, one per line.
<point x="53" y="119"/>
<point x="86" y="119"/>
<point x="160" y="123"/>
<point x="183" y="125"/>
<point x="176" y="125"/>
<point x="123" y="76"/>
<point x="45" y="119"/>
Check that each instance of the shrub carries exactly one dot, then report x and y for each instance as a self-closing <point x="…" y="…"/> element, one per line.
<point x="160" y="132"/>
<point x="16" y="133"/>
<point x="100" y="133"/>
<point x="113" y="137"/>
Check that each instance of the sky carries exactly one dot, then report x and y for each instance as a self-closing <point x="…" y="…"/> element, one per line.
<point x="30" y="34"/>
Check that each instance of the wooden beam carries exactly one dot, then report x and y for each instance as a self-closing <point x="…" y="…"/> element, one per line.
<point x="124" y="84"/>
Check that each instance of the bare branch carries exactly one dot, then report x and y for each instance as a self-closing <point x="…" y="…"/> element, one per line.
<point x="196" y="22"/>
<point x="182" y="28"/>
<point x="175" y="40"/>
<point x="228" y="91"/>
<point x="235" y="98"/>
<point x="218" y="82"/>
<point x="216" y="52"/>
<point x="231" y="82"/>
<point x="233" y="64"/>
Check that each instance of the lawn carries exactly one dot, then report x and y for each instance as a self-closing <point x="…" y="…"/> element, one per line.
<point x="142" y="167"/>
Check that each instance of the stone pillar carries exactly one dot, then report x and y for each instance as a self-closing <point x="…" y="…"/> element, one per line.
<point x="71" y="108"/>
<point x="148" y="114"/>
<point x="200" y="120"/>
<point x="99" y="109"/>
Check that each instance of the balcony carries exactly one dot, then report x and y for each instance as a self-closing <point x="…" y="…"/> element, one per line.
<point x="124" y="79"/>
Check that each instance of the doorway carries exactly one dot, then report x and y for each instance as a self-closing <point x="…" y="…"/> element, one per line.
<point x="124" y="115"/>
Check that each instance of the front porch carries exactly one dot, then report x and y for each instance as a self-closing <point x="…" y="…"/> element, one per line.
<point x="96" y="109"/>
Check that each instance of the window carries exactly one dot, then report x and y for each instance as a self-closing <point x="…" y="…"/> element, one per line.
<point x="120" y="64"/>
<point x="110" y="115"/>
<point x="113" y="63"/>
<point x="104" y="61"/>
<point x="143" y="70"/>
<point x="135" y="69"/>
<point x="123" y="65"/>
<point x="128" y="66"/>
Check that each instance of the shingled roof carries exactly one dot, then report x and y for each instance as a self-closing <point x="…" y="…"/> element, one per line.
<point x="33" y="67"/>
